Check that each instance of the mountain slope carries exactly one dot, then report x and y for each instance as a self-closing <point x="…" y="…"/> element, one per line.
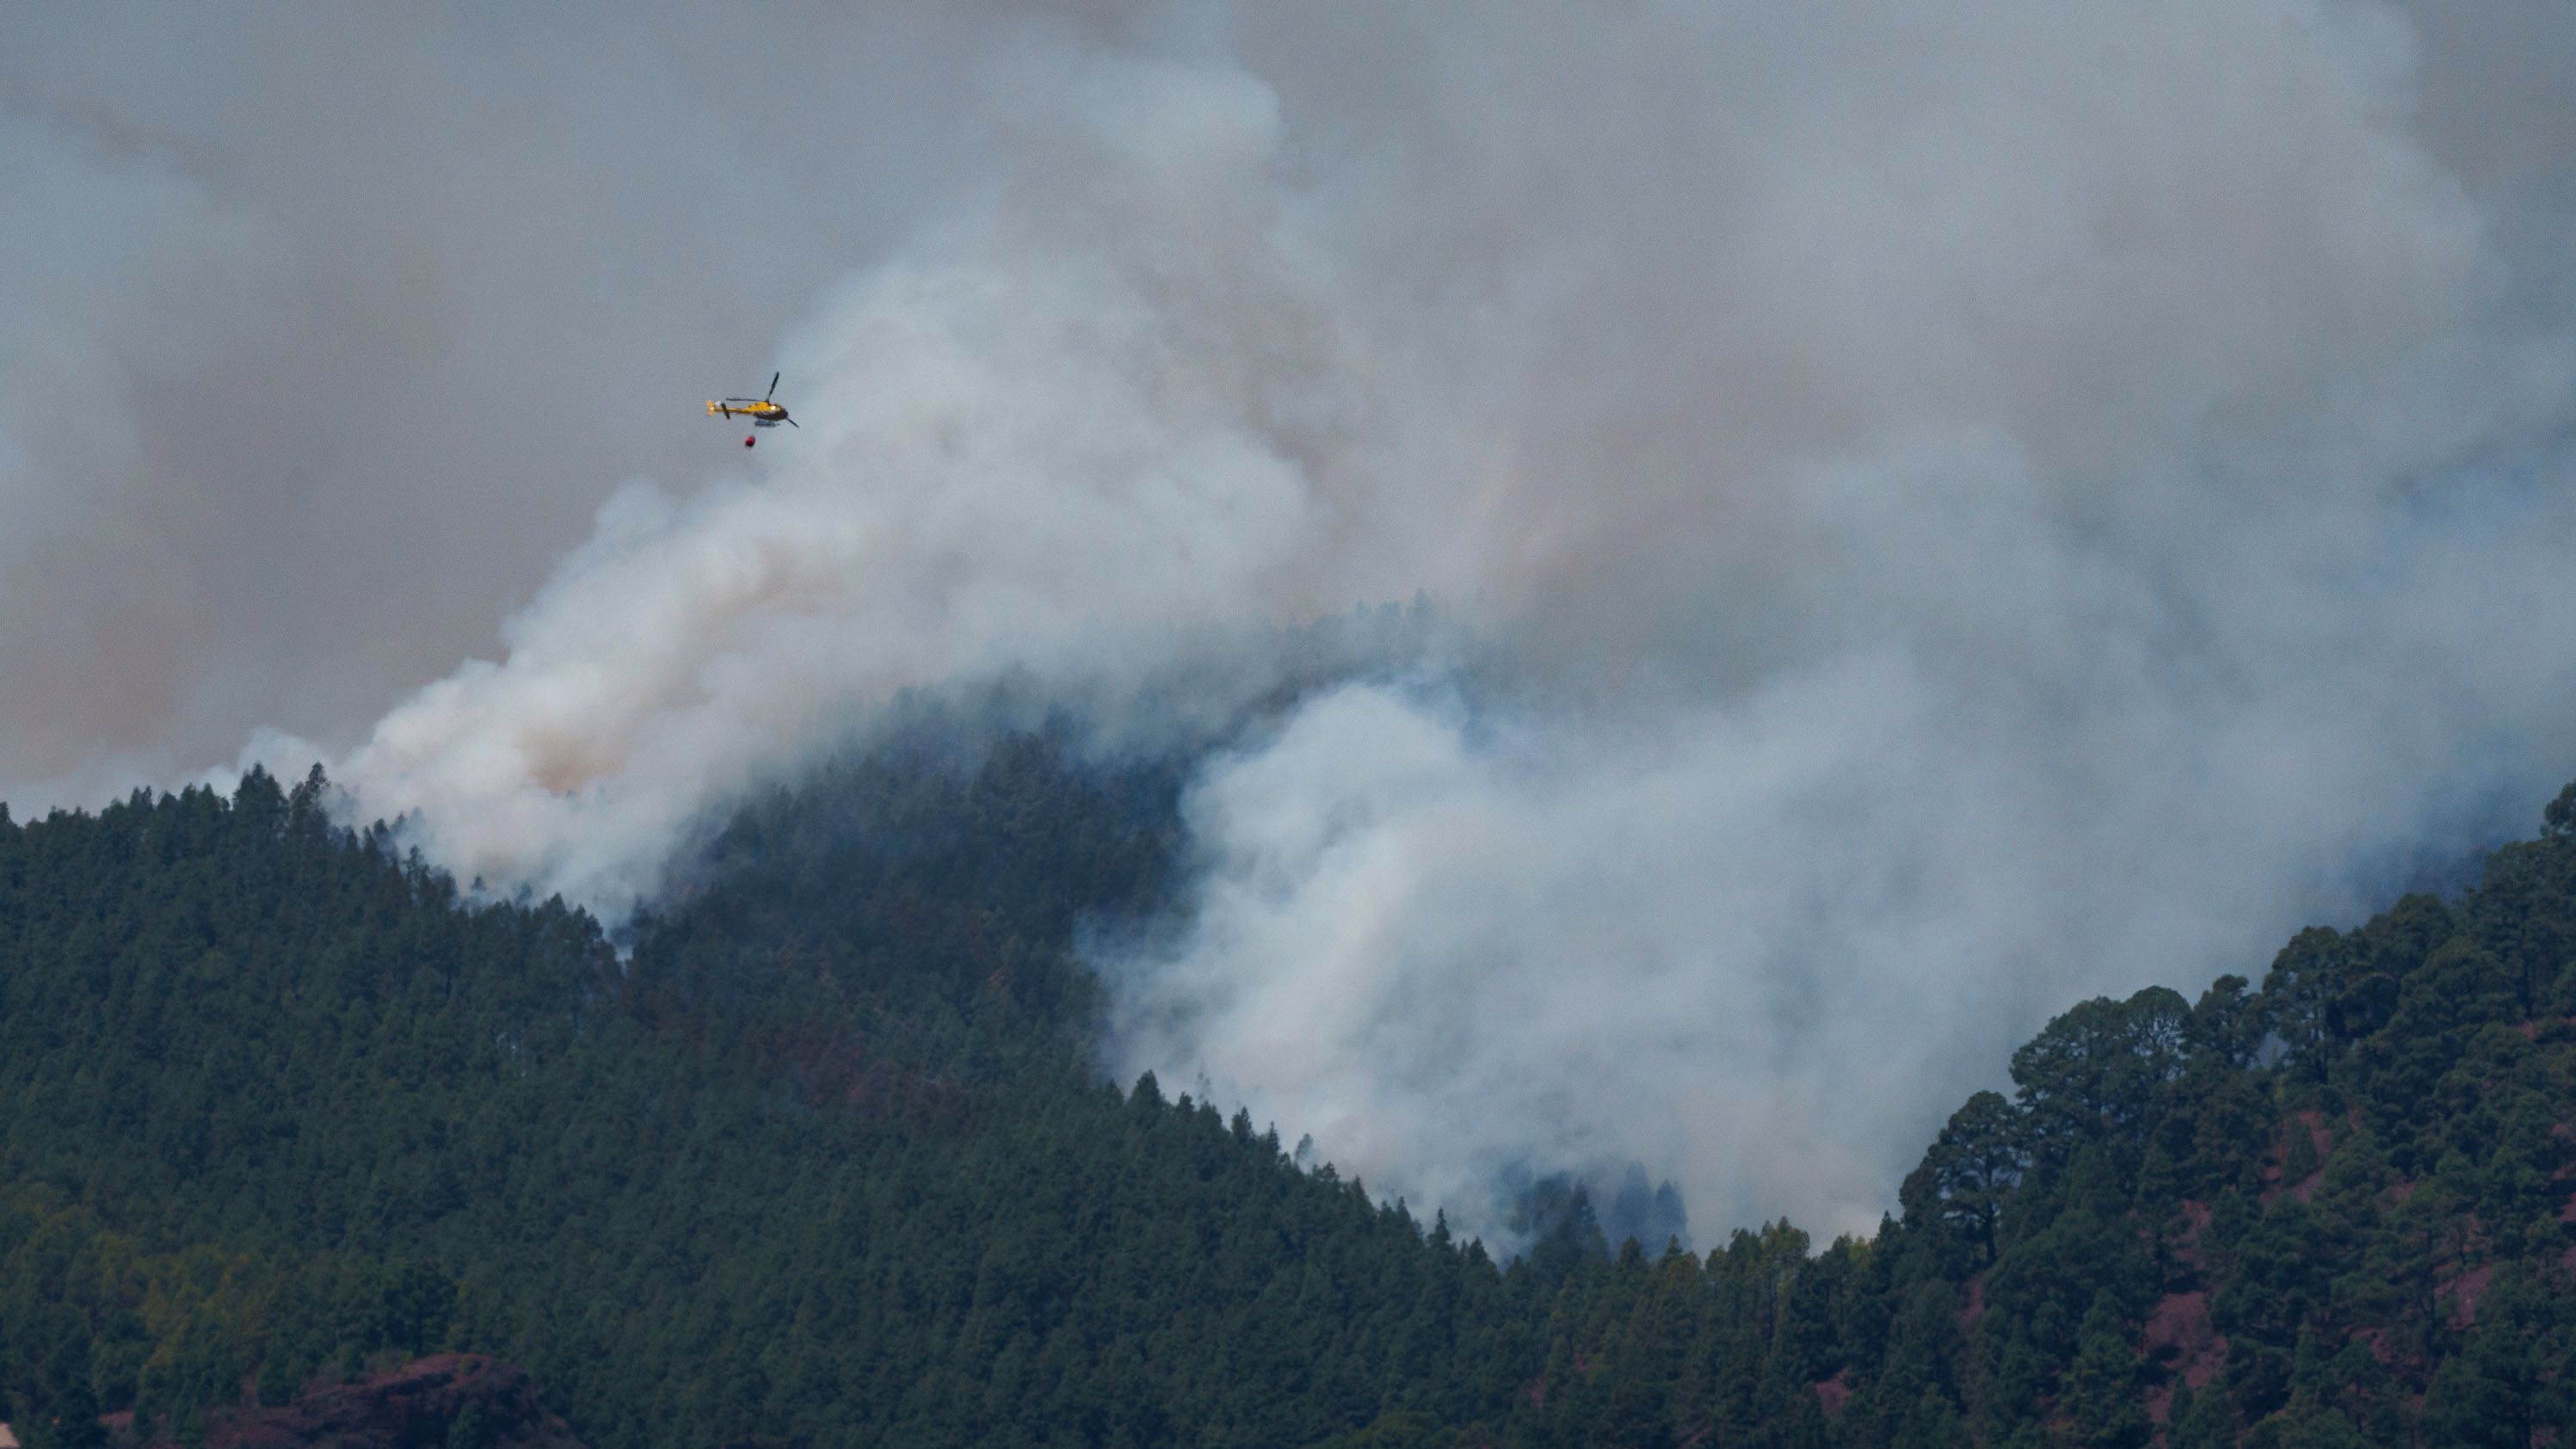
<point x="277" y="1105"/>
<point x="822" y="1161"/>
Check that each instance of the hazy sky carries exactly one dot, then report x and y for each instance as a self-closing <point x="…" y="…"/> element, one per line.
<point x="1987" y="505"/>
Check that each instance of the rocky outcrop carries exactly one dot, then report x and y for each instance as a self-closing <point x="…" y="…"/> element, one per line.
<point x="462" y="1400"/>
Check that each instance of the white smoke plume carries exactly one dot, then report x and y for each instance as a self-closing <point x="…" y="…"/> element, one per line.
<point x="1995" y="507"/>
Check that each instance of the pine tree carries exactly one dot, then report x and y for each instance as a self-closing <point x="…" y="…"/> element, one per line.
<point x="2101" y="1397"/>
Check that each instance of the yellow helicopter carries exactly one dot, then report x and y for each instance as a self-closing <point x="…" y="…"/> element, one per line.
<point x="762" y="412"/>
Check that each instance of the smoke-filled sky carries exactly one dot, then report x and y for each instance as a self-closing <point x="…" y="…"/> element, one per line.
<point x="1983" y="505"/>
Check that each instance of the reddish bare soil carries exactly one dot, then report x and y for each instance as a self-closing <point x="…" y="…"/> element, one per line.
<point x="2464" y="1292"/>
<point x="2195" y="1217"/>
<point x="1975" y="1308"/>
<point x="2181" y="1338"/>
<point x="411" y="1407"/>
<point x="1834" y="1392"/>
<point x="2321" y="1137"/>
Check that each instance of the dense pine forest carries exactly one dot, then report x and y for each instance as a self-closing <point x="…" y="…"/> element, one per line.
<point x="818" y="1157"/>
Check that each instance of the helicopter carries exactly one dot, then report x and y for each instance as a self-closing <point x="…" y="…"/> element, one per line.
<point x="762" y="412"/>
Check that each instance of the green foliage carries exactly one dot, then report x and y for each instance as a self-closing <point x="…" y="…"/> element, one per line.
<point x="830" y="1165"/>
<point x="471" y="1428"/>
<point x="1970" y="1173"/>
<point x="819" y="1157"/>
<point x="2102" y="1401"/>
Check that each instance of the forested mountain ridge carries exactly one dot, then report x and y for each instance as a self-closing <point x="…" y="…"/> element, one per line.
<point x="276" y="1105"/>
<point x="2334" y="1211"/>
<point x="822" y="1161"/>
